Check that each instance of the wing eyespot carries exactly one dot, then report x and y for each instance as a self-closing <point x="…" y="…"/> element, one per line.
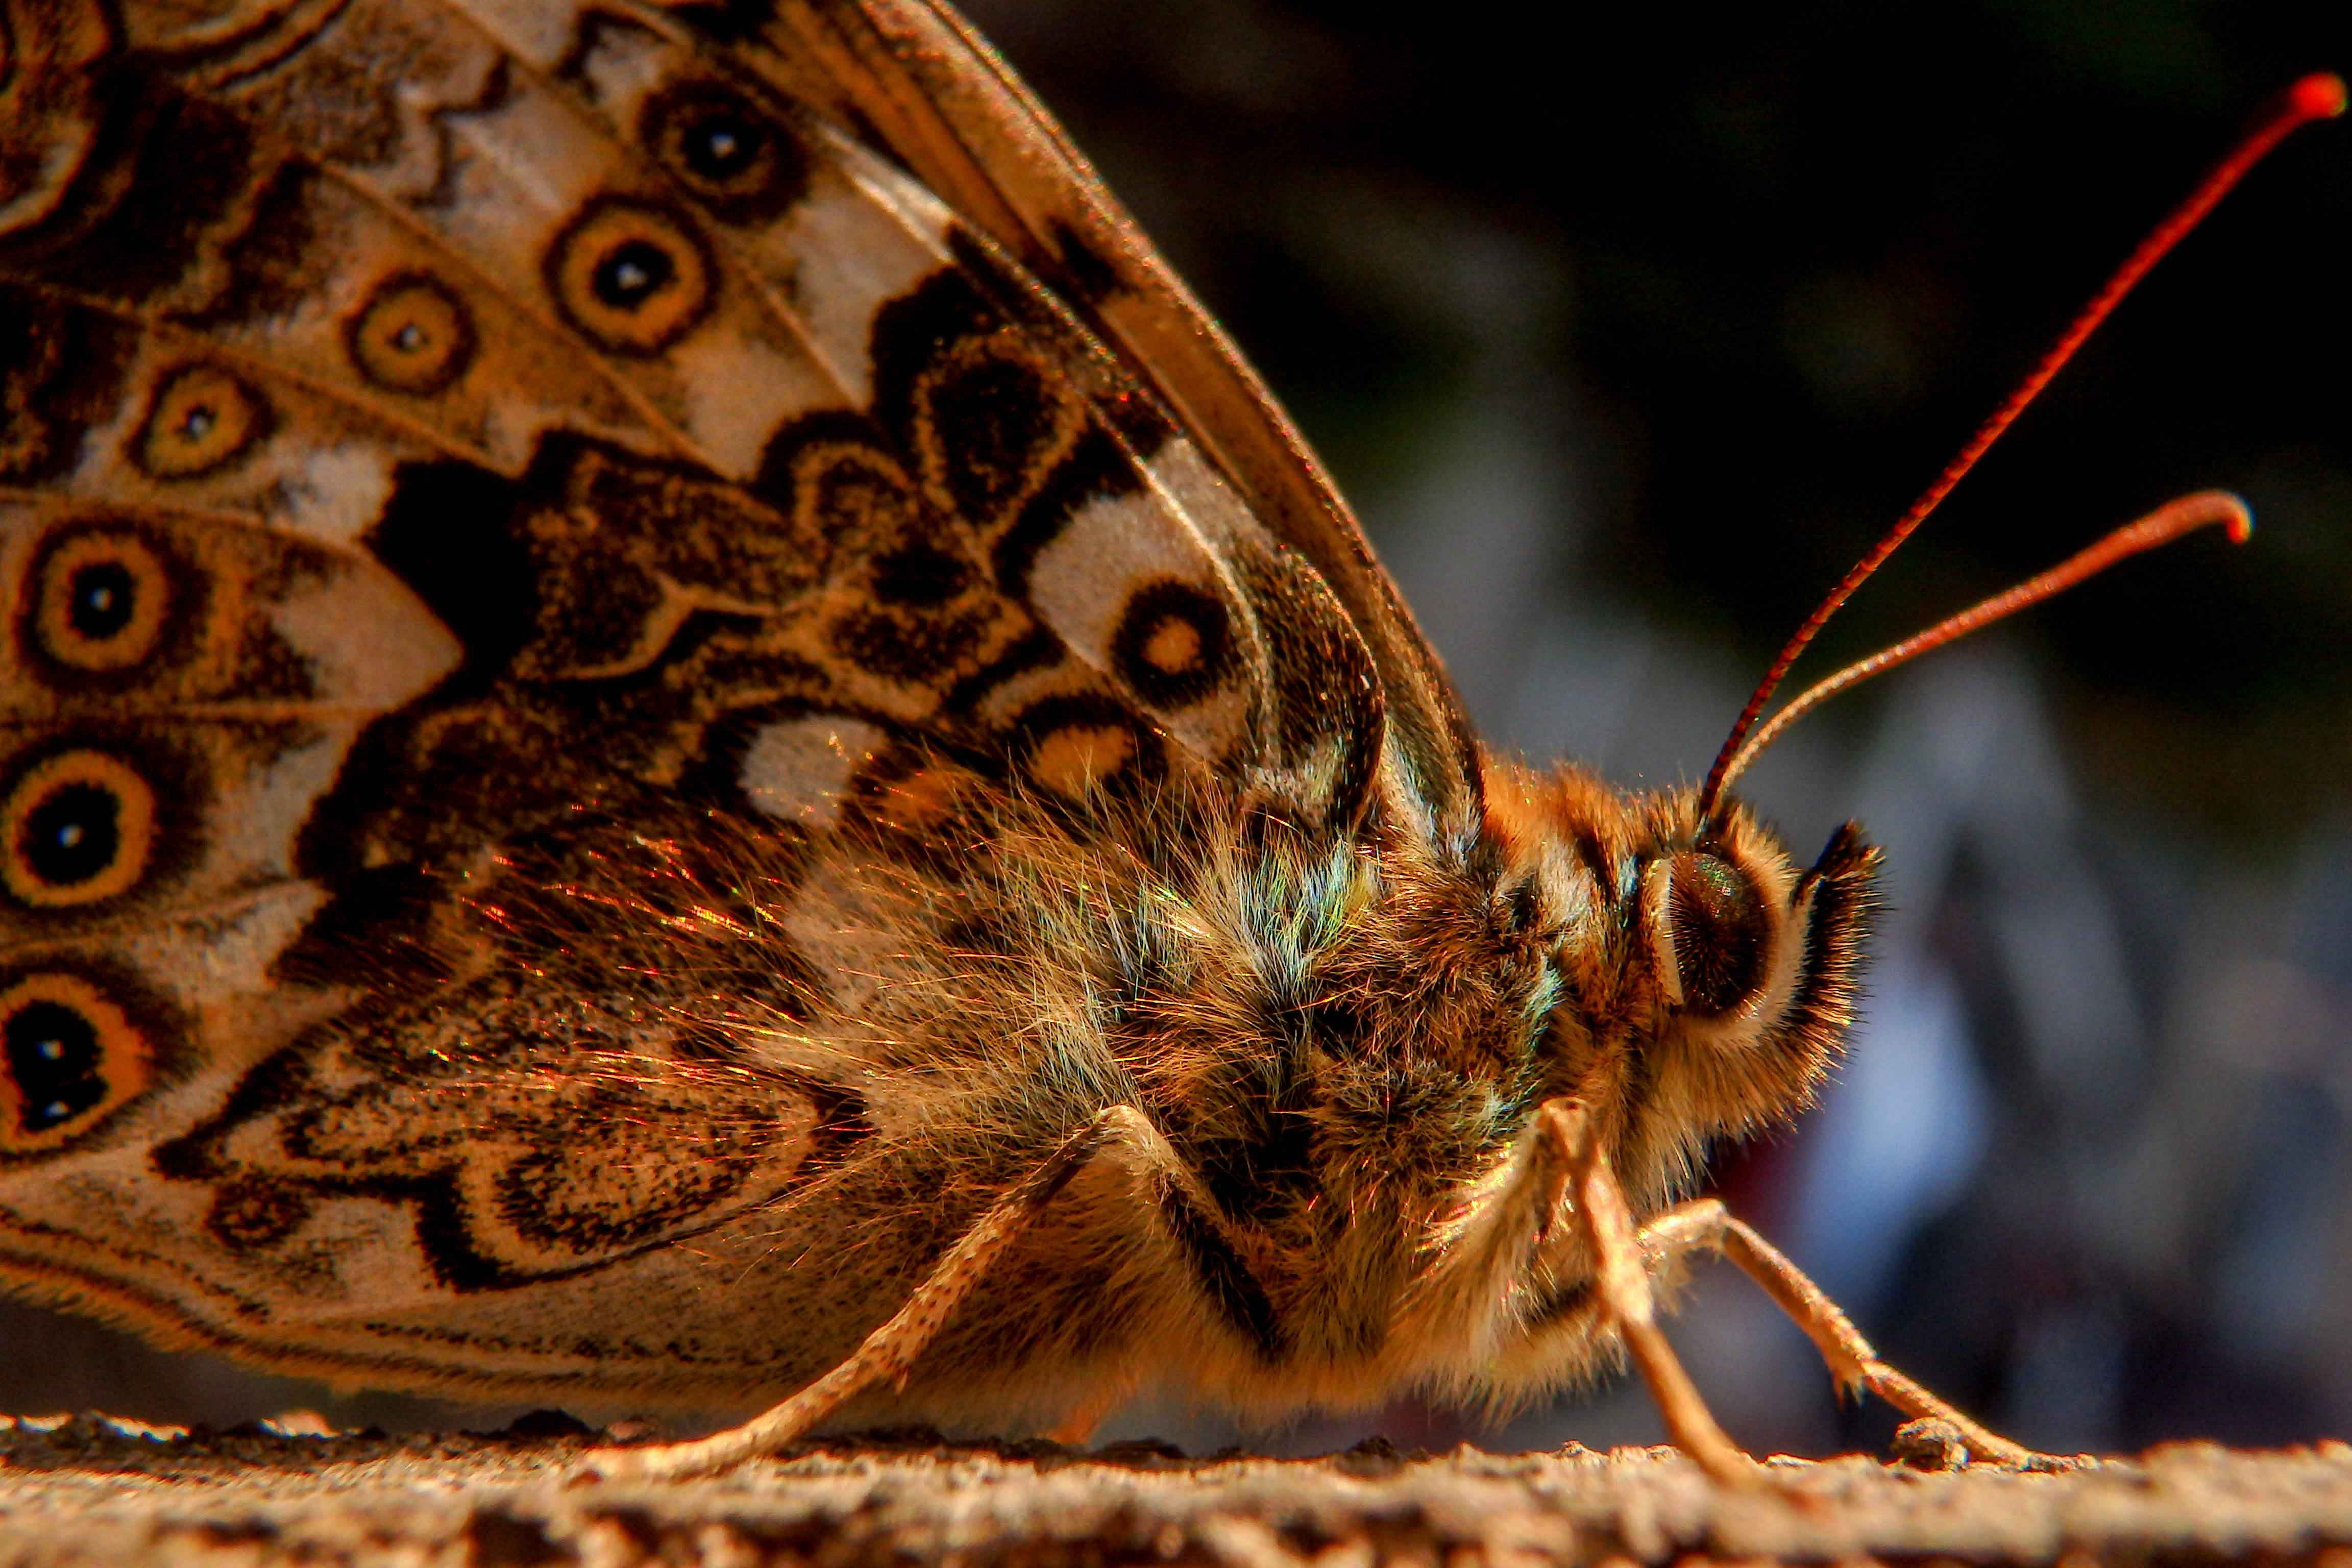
<point x="78" y="828"/>
<point x="70" y="1056"/>
<point x="631" y="277"/>
<point x="202" y="418"/>
<point x="413" y="335"/>
<point x="1074" y="759"/>
<point x="738" y="160"/>
<point x="102" y="601"/>
<point x="1175" y="645"/>
<point x="1079" y="748"/>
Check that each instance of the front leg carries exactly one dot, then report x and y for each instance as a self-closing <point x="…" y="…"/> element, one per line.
<point x="1705" y="1224"/>
<point x="1625" y="1259"/>
<point x="1622" y="1280"/>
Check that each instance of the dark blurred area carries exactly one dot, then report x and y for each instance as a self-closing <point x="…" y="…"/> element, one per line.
<point x="1626" y="331"/>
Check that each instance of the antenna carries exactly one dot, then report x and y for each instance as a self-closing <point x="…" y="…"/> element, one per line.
<point x="2320" y="96"/>
<point x="2167" y="522"/>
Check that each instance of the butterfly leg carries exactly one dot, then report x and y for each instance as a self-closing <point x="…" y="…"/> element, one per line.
<point x="891" y="1350"/>
<point x="1622" y="1278"/>
<point x="1705" y="1224"/>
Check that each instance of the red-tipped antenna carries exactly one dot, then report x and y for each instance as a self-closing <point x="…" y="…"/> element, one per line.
<point x="2320" y="96"/>
<point x="2167" y="522"/>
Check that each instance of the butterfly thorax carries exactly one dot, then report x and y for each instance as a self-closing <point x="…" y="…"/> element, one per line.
<point x="1343" y="1036"/>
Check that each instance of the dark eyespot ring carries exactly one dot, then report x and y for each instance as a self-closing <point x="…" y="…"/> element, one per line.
<point x="740" y="161"/>
<point x="70" y="1056"/>
<point x="631" y="277"/>
<point x="101" y="601"/>
<point x="413" y="335"/>
<point x="77" y="828"/>
<point x="1719" y="931"/>
<point x="202" y="418"/>
<point x="1174" y="644"/>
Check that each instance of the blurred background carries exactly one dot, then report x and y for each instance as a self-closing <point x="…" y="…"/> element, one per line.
<point x="1626" y="331"/>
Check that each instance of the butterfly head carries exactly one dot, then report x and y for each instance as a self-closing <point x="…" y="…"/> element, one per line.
<point x="1706" y="980"/>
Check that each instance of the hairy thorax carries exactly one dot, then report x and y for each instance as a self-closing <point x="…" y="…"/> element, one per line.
<point x="1337" y="1042"/>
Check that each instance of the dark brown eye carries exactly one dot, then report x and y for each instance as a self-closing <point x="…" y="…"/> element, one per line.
<point x="1719" y="929"/>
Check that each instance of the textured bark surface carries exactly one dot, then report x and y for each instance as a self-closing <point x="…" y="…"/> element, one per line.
<point x="90" y="1491"/>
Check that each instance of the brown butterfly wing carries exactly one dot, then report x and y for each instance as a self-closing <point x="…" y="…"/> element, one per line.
<point x="488" y="495"/>
<point x="916" y="77"/>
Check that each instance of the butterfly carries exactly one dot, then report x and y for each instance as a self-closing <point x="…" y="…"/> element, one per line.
<point x="677" y="732"/>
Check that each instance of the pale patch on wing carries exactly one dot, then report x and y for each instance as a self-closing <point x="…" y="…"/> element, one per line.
<point x="799" y="770"/>
<point x="732" y="389"/>
<point x="1192" y="485"/>
<point x="222" y="960"/>
<point x="256" y="830"/>
<point x="1087" y="585"/>
<point x="336" y="493"/>
<point x="845" y="254"/>
<point x="369" y="640"/>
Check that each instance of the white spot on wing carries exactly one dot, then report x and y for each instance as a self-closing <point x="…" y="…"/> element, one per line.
<point x="798" y="769"/>
<point x="335" y="493"/>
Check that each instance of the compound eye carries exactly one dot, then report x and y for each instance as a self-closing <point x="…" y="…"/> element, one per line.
<point x="1709" y="924"/>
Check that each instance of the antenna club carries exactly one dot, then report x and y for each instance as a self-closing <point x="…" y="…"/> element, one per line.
<point x="2239" y="526"/>
<point x="2319" y="96"/>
